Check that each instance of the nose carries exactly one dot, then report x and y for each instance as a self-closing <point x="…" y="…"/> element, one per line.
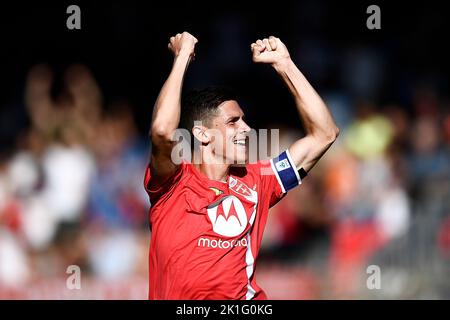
<point x="245" y="128"/>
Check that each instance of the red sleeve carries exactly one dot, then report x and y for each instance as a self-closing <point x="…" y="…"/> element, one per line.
<point x="164" y="189"/>
<point x="270" y="185"/>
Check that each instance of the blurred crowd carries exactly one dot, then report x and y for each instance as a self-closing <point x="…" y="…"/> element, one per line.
<point x="71" y="193"/>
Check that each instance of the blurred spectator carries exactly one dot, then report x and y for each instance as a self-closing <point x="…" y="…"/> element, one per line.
<point x="117" y="197"/>
<point x="72" y="186"/>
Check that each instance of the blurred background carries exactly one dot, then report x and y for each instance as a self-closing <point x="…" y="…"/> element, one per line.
<point x="75" y="109"/>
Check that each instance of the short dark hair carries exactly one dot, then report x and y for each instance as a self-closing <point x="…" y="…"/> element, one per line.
<point x="201" y="105"/>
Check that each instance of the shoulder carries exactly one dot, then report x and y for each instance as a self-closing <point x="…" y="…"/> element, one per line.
<point x="156" y="192"/>
<point x="260" y="168"/>
<point x="253" y="171"/>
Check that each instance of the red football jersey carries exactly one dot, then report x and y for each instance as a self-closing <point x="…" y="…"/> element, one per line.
<point x="206" y="234"/>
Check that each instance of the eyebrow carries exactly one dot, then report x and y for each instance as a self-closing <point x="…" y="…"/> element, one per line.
<point x="235" y="118"/>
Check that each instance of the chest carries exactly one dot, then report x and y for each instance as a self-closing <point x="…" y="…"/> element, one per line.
<point x="219" y="211"/>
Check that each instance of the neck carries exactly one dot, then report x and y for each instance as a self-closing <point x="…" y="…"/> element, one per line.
<point x="213" y="169"/>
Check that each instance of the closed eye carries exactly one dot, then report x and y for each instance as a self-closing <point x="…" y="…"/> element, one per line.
<point x="233" y="119"/>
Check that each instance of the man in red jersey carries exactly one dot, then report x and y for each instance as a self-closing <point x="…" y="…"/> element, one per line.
<point x="207" y="216"/>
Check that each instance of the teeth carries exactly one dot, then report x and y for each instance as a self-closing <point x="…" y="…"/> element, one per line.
<point x="240" y="142"/>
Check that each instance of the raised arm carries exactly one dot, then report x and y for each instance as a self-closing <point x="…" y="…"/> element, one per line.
<point x="166" y="113"/>
<point x="321" y="130"/>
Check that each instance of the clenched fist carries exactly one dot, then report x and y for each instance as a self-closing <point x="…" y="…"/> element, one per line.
<point x="270" y="50"/>
<point x="182" y="43"/>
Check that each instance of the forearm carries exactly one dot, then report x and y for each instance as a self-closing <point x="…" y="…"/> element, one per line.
<point x="166" y="113"/>
<point x="315" y="116"/>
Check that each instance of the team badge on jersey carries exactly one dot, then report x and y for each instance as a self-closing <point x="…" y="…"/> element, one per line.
<point x="240" y="187"/>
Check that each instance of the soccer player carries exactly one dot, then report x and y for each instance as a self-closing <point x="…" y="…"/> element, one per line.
<point x="207" y="217"/>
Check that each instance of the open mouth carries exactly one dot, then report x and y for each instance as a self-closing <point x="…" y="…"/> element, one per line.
<point x="239" y="142"/>
<point x="241" y="149"/>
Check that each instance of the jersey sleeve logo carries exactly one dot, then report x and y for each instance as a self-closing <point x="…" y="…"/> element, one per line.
<point x="282" y="165"/>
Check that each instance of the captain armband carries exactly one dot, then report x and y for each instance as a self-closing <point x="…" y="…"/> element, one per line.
<point x="285" y="171"/>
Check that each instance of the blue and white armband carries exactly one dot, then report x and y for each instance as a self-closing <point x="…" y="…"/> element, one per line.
<point x="286" y="172"/>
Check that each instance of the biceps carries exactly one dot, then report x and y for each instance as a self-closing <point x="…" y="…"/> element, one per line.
<point x="307" y="151"/>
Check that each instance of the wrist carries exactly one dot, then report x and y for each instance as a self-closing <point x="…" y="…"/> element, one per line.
<point x="181" y="60"/>
<point x="282" y="65"/>
<point x="184" y="55"/>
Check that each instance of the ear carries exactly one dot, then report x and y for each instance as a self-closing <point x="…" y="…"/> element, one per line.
<point x="200" y="133"/>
